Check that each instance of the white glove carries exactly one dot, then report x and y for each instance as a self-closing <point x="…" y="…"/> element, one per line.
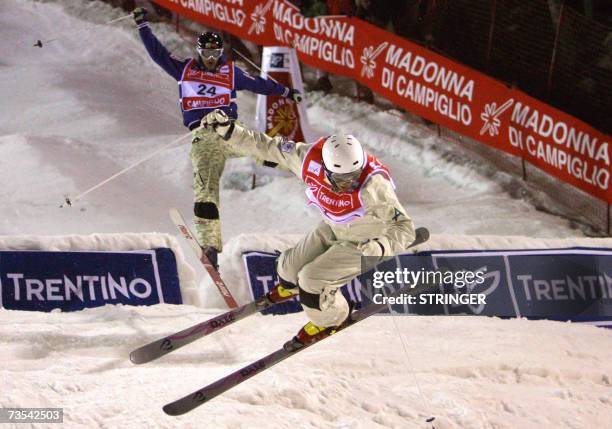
<point x="219" y="122"/>
<point x="371" y="248"/>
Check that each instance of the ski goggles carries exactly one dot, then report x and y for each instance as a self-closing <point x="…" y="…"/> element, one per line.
<point x="344" y="182"/>
<point x="210" y="53"/>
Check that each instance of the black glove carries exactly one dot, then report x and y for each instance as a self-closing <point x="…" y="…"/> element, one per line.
<point x="295" y="95"/>
<point x="140" y="15"/>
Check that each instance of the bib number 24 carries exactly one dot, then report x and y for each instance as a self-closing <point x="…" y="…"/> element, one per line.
<point x="207" y="90"/>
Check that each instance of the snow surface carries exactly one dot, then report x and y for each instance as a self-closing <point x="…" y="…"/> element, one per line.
<point x="472" y="372"/>
<point x="91" y="103"/>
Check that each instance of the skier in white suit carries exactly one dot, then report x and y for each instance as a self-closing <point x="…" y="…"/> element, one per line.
<point x="361" y="217"/>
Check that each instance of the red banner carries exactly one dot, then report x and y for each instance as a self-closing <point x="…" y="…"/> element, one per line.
<point x="421" y="81"/>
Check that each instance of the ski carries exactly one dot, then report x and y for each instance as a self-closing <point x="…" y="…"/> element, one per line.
<point x="163" y="346"/>
<point x="180" y="223"/>
<point x="290" y="348"/>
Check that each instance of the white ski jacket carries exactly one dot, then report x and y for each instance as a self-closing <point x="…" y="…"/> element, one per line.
<point x="383" y="217"/>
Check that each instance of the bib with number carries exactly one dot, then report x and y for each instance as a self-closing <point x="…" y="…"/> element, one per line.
<point x="342" y="207"/>
<point x="206" y="90"/>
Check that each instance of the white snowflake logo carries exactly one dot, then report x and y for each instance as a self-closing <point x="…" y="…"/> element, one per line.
<point x="491" y="115"/>
<point x="368" y="57"/>
<point x="259" y="19"/>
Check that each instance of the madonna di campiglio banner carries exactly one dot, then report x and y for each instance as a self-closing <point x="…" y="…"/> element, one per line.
<point x="421" y="81"/>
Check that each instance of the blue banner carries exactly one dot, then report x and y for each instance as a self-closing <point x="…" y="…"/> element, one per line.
<point x="560" y="284"/>
<point x="70" y="281"/>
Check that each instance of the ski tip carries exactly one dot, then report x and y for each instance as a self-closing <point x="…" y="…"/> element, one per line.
<point x="136" y="359"/>
<point x="172" y="410"/>
<point x="422" y="233"/>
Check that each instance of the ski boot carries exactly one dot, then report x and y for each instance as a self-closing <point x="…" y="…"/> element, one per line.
<point x="279" y="293"/>
<point x="311" y="333"/>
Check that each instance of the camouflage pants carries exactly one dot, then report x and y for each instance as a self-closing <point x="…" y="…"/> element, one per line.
<point x="208" y="155"/>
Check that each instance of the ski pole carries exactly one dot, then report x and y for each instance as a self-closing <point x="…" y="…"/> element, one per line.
<point x="68" y="201"/>
<point x="39" y="43"/>
<point x="268" y="76"/>
<point x="244" y="57"/>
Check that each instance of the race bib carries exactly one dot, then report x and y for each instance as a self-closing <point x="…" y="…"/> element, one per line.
<point x="206" y="90"/>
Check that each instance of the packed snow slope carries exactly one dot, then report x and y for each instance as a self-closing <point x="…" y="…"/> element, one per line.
<point x="472" y="373"/>
<point x="91" y="103"/>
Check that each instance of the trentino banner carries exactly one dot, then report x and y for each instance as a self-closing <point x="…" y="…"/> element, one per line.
<point x="560" y="284"/>
<point x="70" y="281"/>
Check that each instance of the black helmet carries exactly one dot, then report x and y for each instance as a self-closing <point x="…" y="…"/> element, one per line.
<point x="210" y="40"/>
<point x="209" y="49"/>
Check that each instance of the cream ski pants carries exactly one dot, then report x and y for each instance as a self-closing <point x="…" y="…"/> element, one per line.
<point x="320" y="264"/>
